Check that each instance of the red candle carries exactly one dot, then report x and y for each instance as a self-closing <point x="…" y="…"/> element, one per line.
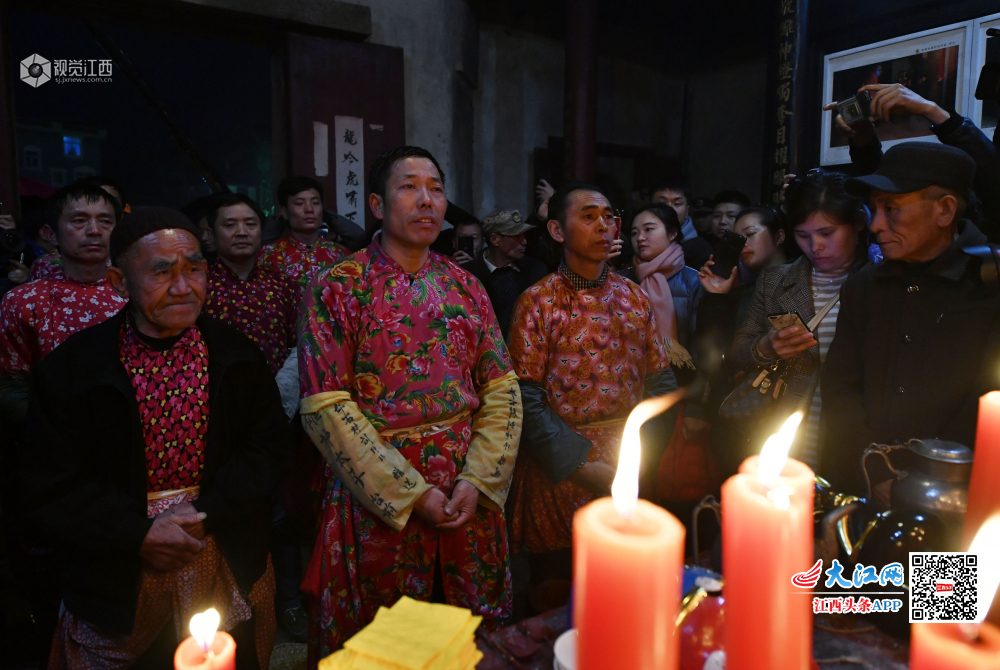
<point x="767" y="538"/>
<point x="627" y="587"/>
<point x="196" y="653"/>
<point x="221" y="655"/>
<point x="984" y="494"/>
<point x="795" y="473"/>
<point x="944" y="646"/>
<point x="628" y="560"/>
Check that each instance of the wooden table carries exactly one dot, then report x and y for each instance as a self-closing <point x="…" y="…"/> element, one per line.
<point x="841" y="642"/>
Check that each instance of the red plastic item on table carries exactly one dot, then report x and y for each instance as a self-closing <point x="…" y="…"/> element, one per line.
<point x="703" y="631"/>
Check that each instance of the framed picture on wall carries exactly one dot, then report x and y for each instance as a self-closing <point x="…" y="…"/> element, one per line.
<point x="935" y="63"/>
<point x="985" y="49"/>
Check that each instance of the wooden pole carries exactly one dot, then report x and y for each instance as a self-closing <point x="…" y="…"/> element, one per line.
<point x="580" y="127"/>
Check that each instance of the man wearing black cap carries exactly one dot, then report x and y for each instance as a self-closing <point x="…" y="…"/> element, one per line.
<point x="917" y="336"/>
<point x="503" y="268"/>
<point x="158" y="439"/>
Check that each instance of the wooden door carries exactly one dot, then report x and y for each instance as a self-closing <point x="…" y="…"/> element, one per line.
<point x="326" y="78"/>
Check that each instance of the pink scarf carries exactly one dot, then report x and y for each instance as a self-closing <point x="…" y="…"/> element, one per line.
<point x="653" y="277"/>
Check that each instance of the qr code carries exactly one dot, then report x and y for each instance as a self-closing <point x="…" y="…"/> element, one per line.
<point x="944" y="586"/>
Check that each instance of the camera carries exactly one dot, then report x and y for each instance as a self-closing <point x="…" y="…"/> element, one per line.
<point x="856" y="108"/>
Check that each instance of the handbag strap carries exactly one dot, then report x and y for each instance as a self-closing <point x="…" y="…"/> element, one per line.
<point x="821" y="314"/>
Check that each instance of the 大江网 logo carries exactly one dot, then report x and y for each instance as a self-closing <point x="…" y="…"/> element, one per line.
<point x="35" y="70"/>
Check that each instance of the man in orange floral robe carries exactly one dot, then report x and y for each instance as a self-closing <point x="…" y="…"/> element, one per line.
<point x="585" y="347"/>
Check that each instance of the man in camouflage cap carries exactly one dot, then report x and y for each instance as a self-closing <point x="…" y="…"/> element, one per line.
<point x="503" y="268"/>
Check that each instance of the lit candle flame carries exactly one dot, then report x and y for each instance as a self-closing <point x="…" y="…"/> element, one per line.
<point x="775" y="452"/>
<point x="987" y="545"/>
<point x="203" y="627"/>
<point x="625" y="489"/>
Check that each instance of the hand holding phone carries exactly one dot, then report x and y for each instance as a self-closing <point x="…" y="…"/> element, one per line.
<point x="728" y="255"/>
<point x="465" y="248"/>
<point x="775" y="345"/>
<point x="784" y="321"/>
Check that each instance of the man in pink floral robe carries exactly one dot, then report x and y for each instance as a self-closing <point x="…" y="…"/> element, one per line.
<point x="409" y="393"/>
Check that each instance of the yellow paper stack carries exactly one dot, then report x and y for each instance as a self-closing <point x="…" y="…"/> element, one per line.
<point x="411" y="635"/>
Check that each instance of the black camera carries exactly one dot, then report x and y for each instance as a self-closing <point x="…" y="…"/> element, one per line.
<point x="856" y="108"/>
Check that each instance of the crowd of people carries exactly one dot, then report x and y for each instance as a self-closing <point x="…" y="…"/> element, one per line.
<point x="185" y="407"/>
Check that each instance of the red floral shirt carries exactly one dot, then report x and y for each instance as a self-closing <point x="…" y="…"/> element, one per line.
<point x="37" y="317"/>
<point x="591" y="349"/>
<point x="49" y="266"/>
<point x="172" y="390"/>
<point x="410" y="349"/>
<point x="264" y="307"/>
<point x="291" y="258"/>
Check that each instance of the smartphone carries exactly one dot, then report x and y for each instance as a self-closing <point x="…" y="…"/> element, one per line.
<point x="617" y="232"/>
<point x="782" y="321"/>
<point x="466" y="243"/>
<point x="728" y="254"/>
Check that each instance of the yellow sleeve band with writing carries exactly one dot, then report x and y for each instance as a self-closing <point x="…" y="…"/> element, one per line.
<point x="496" y="433"/>
<point x="378" y="476"/>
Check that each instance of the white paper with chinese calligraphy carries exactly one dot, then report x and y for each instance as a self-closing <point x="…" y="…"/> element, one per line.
<point x="349" y="154"/>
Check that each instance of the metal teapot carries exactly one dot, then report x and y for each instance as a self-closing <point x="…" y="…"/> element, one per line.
<point x="930" y="477"/>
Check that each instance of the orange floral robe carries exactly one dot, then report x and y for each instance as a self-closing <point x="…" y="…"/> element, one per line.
<point x="591" y="350"/>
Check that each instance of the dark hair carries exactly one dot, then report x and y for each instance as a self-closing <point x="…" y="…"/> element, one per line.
<point x="665" y="214"/>
<point x="735" y="197"/>
<point x="81" y="189"/>
<point x="32" y="222"/>
<point x="294" y="185"/>
<point x="381" y="169"/>
<point x="468" y="222"/>
<point x="199" y="207"/>
<point x="773" y="219"/>
<point x="822" y="191"/>
<point x="560" y="199"/>
<point x="673" y="185"/>
<point x="223" y="200"/>
<point x="770" y="217"/>
<point x="101" y="180"/>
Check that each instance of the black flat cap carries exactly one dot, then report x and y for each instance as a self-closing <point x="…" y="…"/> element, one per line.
<point x="142" y="221"/>
<point x="912" y="166"/>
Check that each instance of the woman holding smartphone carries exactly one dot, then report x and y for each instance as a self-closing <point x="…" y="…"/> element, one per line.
<point x="830" y="227"/>
<point x="674" y="294"/>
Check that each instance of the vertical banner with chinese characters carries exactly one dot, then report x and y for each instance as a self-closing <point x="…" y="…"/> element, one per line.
<point x="349" y="155"/>
<point x="785" y="97"/>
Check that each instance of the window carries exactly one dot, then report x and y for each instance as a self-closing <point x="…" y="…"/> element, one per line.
<point x="72" y="146"/>
<point x="58" y="179"/>
<point x="32" y="158"/>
